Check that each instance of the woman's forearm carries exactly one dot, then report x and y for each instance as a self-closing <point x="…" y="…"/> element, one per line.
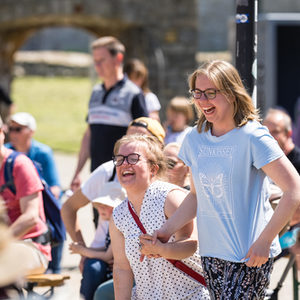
<point x="179" y="249"/>
<point x="183" y="215"/>
<point x="287" y="206"/>
<point x="123" y="283"/>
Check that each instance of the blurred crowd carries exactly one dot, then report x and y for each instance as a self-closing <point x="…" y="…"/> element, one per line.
<point x="178" y="205"/>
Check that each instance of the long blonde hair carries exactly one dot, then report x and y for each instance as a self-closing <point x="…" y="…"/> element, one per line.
<point x="153" y="149"/>
<point x="227" y="79"/>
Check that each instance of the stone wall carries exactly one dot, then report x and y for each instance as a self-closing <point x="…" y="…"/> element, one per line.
<point x="165" y="36"/>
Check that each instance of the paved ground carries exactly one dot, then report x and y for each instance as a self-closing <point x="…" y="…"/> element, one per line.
<point x="66" y="166"/>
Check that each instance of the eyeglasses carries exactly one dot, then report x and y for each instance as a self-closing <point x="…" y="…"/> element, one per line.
<point x="171" y="163"/>
<point x="208" y="93"/>
<point x="131" y="159"/>
<point x="15" y="129"/>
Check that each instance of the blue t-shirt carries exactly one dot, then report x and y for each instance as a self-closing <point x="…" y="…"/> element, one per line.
<point x="43" y="156"/>
<point x="232" y="191"/>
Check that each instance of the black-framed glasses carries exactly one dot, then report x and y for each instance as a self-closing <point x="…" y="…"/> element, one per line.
<point x="209" y="94"/>
<point x="131" y="159"/>
<point x="15" y="129"/>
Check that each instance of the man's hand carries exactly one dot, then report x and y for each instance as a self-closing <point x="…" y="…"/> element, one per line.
<point x="75" y="183"/>
<point x="76" y="248"/>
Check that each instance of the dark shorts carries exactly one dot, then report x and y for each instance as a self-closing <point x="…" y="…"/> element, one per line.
<point x="230" y="280"/>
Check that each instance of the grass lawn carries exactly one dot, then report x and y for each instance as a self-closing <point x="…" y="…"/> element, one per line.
<point x="59" y="105"/>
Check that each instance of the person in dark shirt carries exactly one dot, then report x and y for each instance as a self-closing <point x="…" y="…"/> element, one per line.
<point x="113" y="105"/>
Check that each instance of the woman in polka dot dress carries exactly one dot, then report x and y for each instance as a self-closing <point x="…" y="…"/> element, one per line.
<point x="140" y="166"/>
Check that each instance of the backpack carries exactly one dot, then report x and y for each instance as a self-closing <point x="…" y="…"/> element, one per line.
<point x="52" y="205"/>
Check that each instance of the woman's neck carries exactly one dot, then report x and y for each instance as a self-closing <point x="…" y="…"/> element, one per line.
<point x="136" y="197"/>
<point x="221" y="130"/>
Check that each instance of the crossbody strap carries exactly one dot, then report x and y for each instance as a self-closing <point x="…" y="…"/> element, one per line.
<point x="176" y="263"/>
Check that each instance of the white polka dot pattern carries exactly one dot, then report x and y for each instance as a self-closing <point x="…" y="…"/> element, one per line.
<point x="156" y="279"/>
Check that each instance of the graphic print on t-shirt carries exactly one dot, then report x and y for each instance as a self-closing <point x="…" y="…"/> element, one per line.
<point x="215" y="171"/>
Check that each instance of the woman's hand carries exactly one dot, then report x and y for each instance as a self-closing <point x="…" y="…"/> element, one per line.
<point x="147" y="247"/>
<point x="161" y="235"/>
<point x="258" y="253"/>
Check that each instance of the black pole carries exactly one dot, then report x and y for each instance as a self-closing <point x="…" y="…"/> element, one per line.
<point x="246" y="43"/>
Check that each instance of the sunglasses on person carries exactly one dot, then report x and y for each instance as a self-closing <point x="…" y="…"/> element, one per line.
<point x="15" y="129"/>
<point x="171" y="163"/>
<point x="131" y="159"/>
<point x="209" y="94"/>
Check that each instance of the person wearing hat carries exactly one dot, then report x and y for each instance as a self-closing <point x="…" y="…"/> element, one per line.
<point x="21" y="129"/>
<point x="91" y="188"/>
<point x="96" y="268"/>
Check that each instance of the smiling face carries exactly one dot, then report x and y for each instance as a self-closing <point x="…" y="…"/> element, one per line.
<point x="218" y="111"/>
<point x="138" y="176"/>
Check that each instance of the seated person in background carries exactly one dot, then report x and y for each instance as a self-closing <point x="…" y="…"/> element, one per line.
<point x="137" y="72"/>
<point x="97" y="264"/>
<point x="25" y="209"/>
<point x="91" y="189"/>
<point x="279" y="124"/>
<point x="179" y="115"/>
<point x="177" y="172"/>
<point x="21" y="129"/>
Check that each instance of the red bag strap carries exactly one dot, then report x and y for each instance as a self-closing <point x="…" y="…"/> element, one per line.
<point x="176" y="263"/>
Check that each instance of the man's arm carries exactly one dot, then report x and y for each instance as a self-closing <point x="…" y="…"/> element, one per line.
<point x="29" y="217"/>
<point x="69" y="215"/>
<point x="84" y="154"/>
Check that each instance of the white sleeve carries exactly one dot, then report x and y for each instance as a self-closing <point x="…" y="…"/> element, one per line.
<point x="152" y="102"/>
<point x="91" y="188"/>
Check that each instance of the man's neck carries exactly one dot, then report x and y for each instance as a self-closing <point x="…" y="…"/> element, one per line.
<point x="2" y="153"/>
<point x="289" y="148"/>
<point x="23" y="148"/>
<point x="110" y="82"/>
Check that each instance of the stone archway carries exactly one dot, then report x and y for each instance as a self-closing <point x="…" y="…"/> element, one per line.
<point x="165" y="36"/>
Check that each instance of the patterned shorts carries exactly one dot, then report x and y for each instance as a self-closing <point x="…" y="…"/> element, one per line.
<point x="229" y="280"/>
